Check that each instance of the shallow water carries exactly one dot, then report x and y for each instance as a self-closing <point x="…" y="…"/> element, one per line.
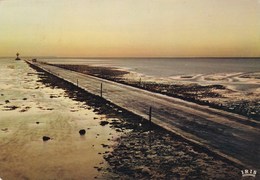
<point x="171" y="67"/>
<point x="23" y="153"/>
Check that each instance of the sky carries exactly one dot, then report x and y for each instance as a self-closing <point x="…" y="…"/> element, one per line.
<point x="130" y="28"/>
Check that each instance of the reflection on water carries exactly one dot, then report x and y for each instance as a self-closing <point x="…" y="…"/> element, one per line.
<point x="43" y="111"/>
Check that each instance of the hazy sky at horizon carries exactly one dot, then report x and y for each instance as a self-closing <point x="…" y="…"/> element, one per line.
<point x="130" y="27"/>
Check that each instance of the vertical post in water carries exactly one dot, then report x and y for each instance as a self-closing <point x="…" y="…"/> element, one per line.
<point x="101" y="89"/>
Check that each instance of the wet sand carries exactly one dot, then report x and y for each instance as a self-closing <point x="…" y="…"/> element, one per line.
<point x="31" y="109"/>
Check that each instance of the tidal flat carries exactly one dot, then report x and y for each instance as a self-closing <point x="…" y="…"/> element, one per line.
<point x="31" y="110"/>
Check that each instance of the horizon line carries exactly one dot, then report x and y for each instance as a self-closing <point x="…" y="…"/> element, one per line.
<point x="139" y="57"/>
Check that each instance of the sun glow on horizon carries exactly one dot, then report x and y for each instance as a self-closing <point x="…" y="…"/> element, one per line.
<point x="145" y="28"/>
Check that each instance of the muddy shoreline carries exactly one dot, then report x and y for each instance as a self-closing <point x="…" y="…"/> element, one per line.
<point x="196" y="93"/>
<point x="146" y="151"/>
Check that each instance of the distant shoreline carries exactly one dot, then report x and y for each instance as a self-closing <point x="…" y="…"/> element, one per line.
<point x="74" y="57"/>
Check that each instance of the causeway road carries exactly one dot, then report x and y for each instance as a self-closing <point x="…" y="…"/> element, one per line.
<point x="230" y="135"/>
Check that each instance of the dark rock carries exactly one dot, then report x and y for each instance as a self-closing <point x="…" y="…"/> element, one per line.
<point x="82" y="132"/>
<point x="96" y="110"/>
<point x="37" y="122"/>
<point x="124" y="169"/>
<point x="52" y="96"/>
<point x="24" y="99"/>
<point x="103" y="123"/>
<point x="9" y="108"/>
<point x="45" y="138"/>
<point x="105" y="146"/>
<point x="98" y="168"/>
<point x="7" y="101"/>
<point x="146" y="170"/>
<point x="4" y="129"/>
<point x="118" y="130"/>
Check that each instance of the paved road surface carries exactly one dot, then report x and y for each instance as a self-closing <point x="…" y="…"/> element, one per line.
<point x="223" y="132"/>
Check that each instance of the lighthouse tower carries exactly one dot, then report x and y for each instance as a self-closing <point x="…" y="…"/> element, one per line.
<point x="17" y="56"/>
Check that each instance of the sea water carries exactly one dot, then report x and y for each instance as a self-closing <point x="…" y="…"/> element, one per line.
<point x="166" y="67"/>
